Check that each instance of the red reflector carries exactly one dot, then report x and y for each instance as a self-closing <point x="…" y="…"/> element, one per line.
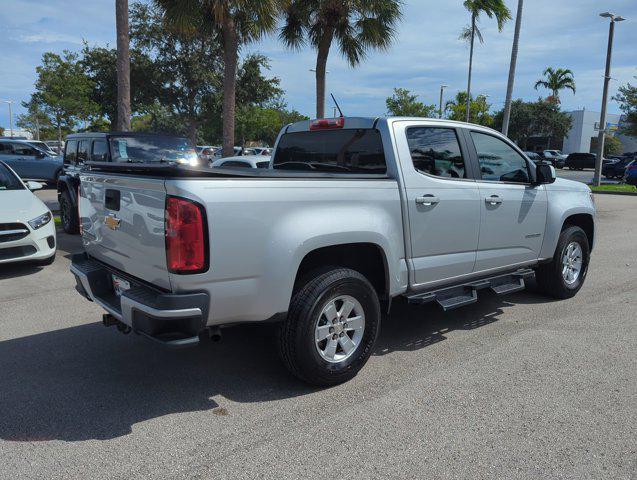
<point x="327" y="123"/>
<point x="186" y="249"/>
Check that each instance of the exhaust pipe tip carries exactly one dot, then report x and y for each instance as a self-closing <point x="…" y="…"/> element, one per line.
<point x="212" y="333"/>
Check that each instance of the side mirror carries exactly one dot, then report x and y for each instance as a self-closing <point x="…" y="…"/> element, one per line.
<point x="544" y="173"/>
<point x="33" y="186"/>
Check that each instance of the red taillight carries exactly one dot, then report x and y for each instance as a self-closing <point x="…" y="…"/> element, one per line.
<point x="327" y="123"/>
<point x="186" y="245"/>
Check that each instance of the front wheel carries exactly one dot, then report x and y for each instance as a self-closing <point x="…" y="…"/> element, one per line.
<point x="331" y="327"/>
<point x="564" y="275"/>
<point x="68" y="214"/>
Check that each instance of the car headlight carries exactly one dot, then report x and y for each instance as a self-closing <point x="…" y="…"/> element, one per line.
<point x="42" y="220"/>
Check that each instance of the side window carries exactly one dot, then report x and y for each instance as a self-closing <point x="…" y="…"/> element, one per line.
<point x="82" y="151"/>
<point x="498" y="161"/>
<point x="70" y="152"/>
<point x="24" y="149"/>
<point x="436" y="151"/>
<point x="100" y="151"/>
<point x="6" y="148"/>
<point x="235" y="164"/>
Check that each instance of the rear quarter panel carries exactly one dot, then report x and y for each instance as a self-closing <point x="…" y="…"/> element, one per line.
<point x="261" y="229"/>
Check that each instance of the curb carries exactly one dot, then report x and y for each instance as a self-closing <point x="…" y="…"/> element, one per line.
<point x="627" y="194"/>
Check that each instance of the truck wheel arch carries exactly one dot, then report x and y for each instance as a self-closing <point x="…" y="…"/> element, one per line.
<point x="585" y="222"/>
<point x="369" y="259"/>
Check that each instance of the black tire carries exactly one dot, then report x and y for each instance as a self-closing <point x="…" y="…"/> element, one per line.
<point x="549" y="275"/>
<point x="68" y="214"/>
<point x="296" y="335"/>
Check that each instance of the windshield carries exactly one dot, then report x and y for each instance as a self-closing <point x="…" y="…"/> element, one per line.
<point x="8" y="181"/>
<point x="41" y="146"/>
<point x="153" y="149"/>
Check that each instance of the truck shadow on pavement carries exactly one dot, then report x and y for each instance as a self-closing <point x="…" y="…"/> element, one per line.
<point x="86" y="382"/>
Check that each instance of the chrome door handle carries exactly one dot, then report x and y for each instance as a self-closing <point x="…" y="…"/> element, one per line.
<point x="493" y="200"/>
<point x="427" y="200"/>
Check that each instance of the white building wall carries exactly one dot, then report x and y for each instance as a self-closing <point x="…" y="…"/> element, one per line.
<point x="578" y="139"/>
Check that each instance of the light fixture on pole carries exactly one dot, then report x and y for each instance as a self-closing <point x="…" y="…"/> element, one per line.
<point x="442" y="90"/>
<point x="602" y="120"/>
<point x="9" y="102"/>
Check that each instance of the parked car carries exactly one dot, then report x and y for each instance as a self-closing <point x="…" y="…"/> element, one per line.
<point x="556" y="157"/>
<point x="354" y="212"/>
<point x="616" y="168"/>
<point x="244" y="161"/>
<point x="56" y="146"/>
<point x="44" y="147"/>
<point x="265" y="151"/>
<point x="535" y="157"/>
<point x="27" y="230"/>
<point x="207" y="152"/>
<point x="124" y="148"/>
<point x="29" y="162"/>
<point x="630" y="176"/>
<point x="580" y="161"/>
<point x="238" y="151"/>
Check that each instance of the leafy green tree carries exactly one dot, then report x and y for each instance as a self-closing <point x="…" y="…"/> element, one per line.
<point x="63" y="90"/>
<point x="612" y="145"/>
<point x="627" y="99"/>
<point x="535" y="119"/>
<point x="145" y="80"/>
<point x="35" y="121"/>
<point x="491" y="8"/>
<point x="357" y="25"/>
<point x="556" y="80"/>
<point x="479" y="108"/>
<point x="233" y="23"/>
<point x="263" y="124"/>
<point x="403" y="104"/>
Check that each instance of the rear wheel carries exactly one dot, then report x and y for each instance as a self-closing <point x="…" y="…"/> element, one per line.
<point x="564" y="276"/>
<point x="68" y="214"/>
<point x="331" y="328"/>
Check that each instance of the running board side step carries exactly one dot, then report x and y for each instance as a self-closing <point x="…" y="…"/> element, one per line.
<point x="466" y="294"/>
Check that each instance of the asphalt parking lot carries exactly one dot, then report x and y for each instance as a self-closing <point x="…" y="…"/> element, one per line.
<point x="517" y="387"/>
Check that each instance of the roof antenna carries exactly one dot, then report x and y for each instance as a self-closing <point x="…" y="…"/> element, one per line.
<point x="336" y="103"/>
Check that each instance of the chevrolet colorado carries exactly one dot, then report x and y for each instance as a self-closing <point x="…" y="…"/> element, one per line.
<point x="352" y="213"/>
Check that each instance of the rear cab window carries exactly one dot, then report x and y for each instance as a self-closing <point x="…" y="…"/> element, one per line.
<point x="436" y="151"/>
<point x="347" y="151"/>
<point x="100" y="151"/>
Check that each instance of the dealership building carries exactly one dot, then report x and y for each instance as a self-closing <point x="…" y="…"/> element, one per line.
<point x="583" y="131"/>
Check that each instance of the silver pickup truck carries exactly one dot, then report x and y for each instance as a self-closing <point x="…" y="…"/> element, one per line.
<point x="352" y="213"/>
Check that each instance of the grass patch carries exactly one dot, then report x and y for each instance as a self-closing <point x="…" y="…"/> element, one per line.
<point x="615" y="188"/>
<point x="58" y="221"/>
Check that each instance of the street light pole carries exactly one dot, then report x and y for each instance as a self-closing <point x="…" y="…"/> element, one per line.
<point x="442" y="90"/>
<point x="602" y="120"/>
<point x="9" y="102"/>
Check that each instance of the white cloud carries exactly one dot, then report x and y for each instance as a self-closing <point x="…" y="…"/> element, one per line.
<point x="50" y="37"/>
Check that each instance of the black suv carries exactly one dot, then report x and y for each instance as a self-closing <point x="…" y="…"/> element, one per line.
<point x="124" y="147"/>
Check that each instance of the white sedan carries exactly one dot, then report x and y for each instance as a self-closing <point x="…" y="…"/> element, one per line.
<point x="244" y="161"/>
<point x="27" y="229"/>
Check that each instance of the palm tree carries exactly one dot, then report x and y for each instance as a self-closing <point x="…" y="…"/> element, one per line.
<point x="556" y="79"/>
<point x="357" y="26"/>
<point x="236" y="22"/>
<point x="514" y="60"/>
<point x="491" y="8"/>
<point x="123" y="66"/>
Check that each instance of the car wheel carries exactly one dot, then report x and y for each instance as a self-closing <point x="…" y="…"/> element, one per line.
<point x="68" y="214"/>
<point x="331" y="327"/>
<point x="564" y="275"/>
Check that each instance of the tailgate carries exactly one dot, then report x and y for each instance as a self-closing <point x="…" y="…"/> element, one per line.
<point x="122" y="221"/>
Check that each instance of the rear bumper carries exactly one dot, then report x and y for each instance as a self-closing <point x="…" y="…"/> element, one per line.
<point x="171" y="319"/>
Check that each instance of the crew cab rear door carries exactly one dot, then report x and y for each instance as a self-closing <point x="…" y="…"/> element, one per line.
<point x="442" y="201"/>
<point x="122" y="220"/>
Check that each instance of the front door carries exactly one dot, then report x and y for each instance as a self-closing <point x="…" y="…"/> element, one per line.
<point x="513" y="211"/>
<point x="443" y="205"/>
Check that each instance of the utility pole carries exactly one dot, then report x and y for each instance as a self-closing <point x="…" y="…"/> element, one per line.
<point x="9" y="102"/>
<point x="442" y="90"/>
<point x="514" y="59"/>
<point x="602" y="120"/>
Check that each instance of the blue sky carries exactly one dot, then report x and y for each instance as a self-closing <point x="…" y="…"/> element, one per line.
<point x="427" y="52"/>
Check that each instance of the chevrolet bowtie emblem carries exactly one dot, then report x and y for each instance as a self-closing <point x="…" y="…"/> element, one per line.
<point x="112" y="222"/>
